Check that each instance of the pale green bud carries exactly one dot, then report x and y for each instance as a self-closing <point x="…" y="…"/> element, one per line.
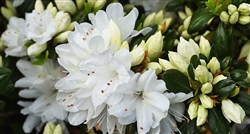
<point x="1" y="45"/>
<point x="224" y="16"/>
<point x="193" y="110"/>
<point x="206" y="88"/>
<point x="53" y="11"/>
<point x="244" y="20"/>
<point x="188" y="11"/>
<point x="218" y="78"/>
<point x="235" y="92"/>
<point x="165" y="24"/>
<point x="63" y="21"/>
<point x="204" y="46"/>
<point x="1" y="61"/>
<point x="61" y="38"/>
<point x="178" y="62"/>
<point x="144" y="45"/>
<point x="186" y="22"/>
<point x="35" y="49"/>
<point x="91" y="3"/>
<point x="244" y="9"/>
<point x="202" y="115"/>
<point x="213" y="65"/>
<point x="195" y="46"/>
<point x="231" y="9"/>
<point x="206" y="101"/>
<point x="115" y="34"/>
<point x="234" y="18"/>
<point x="166" y="65"/>
<point x="185" y="34"/>
<point x="49" y="6"/>
<point x="155" y="45"/>
<point x="58" y="129"/>
<point x="156" y="66"/>
<point x="7" y="13"/>
<point x="203" y="62"/>
<point x="49" y="128"/>
<point x="137" y="55"/>
<point x="182" y="15"/>
<point x="71" y="26"/>
<point x="125" y="45"/>
<point x="202" y="74"/>
<point x="10" y="6"/>
<point x="180" y="29"/>
<point x="66" y="5"/>
<point x="150" y="19"/>
<point x="79" y="4"/>
<point x="159" y="17"/>
<point x="232" y="111"/>
<point x="39" y="6"/>
<point x="99" y="4"/>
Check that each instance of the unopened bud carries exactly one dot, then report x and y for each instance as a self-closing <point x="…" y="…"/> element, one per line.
<point x="7" y="13"/>
<point x="178" y="62"/>
<point x="244" y="9"/>
<point x="1" y="61"/>
<point x="182" y="15"/>
<point x="155" y="45"/>
<point x="244" y="20"/>
<point x="213" y="65"/>
<point x="166" y="65"/>
<point x="206" y="88"/>
<point x="156" y="66"/>
<point x="165" y="24"/>
<point x="193" y="109"/>
<point x="202" y="115"/>
<point x="159" y="17"/>
<point x="58" y="129"/>
<point x="66" y="5"/>
<point x="10" y="6"/>
<point x="224" y="16"/>
<point x="185" y="34"/>
<point x="188" y="11"/>
<point x="234" y="18"/>
<point x="202" y="74"/>
<point x="35" y="49"/>
<point x="137" y="55"/>
<point x="150" y="19"/>
<point x="39" y="6"/>
<point x="186" y="22"/>
<point x="125" y="45"/>
<point x="79" y="4"/>
<point x="63" y="21"/>
<point x="204" y="46"/>
<point x="206" y="101"/>
<point x="99" y="4"/>
<point x="61" y="38"/>
<point x="49" y="128"/>
<point x="244" y="50"/>
<point x="218" y="78"/>
<point x="231" y="9"/>
<point x="235" y="92"/>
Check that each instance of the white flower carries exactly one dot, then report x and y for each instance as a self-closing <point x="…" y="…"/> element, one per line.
<point x="40" y="27"/>
<point x="186" y="49"/>
<point x="143" y="101"/>
<point x="14" y="39"/>
<point x="40" y="81"/>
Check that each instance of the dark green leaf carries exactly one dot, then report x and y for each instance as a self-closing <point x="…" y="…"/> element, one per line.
<point x="195" y="60"/>
<point x="238" y="75"/>
<point x="8" y="88"/>
<point x="168" y="42"/>
<point x="176" y="81"/>
<point x="188" y="127"/>
<point x="4" y="82"/>
<point x="191" y="71"/>
<point x="244" y="29"/>
<point x="41" y="59"/>
<point x="2" y="104"/>
<point x="174" y="5"/>
<point x="199" y="20"/>
<point x="202" y="56"/>
<point x="241" y="65"/>
<point x="4" y="70"/>
<point x="80" y="17"/>
<point x="243" y="100"/>
<point x="224" y="87"/>
<point x="225" y="62"/>
<point x="216" y="121"/>
<point x="243" y="85"/>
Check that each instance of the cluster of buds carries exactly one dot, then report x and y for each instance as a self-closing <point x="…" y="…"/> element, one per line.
<point x="234" y="14"/>
<point x="50" y="128"/>
<point x="158" y="18"/>
<point x="9" y="10"/>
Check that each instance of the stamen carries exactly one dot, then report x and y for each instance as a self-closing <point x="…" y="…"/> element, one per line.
<point x="70" y="95"/>
<point x="126" y="109"/>
<point x="141" y="128"/>
<point x="108" y="84"/>
<point x="64" y="100"/>
<point x="176" y="113"/>
<point x="102" y="91"/>
<point x="84" y="39"/>
<point x="87" y="33"/>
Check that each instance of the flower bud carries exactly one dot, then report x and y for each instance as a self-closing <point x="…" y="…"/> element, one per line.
<point x="156" y="66"/>
<point x="125" y="45"/>
<point x="213" y="65"/>
<point x="63" y="21"/>
<point x="49" y="128"/>
<point x="186" y="49"/>
<point x="234" y="18"/>
<point x="71" y="26"/>
<point x="178" y="62"/>
<point x="231" y="9"/>
<point x="99" y="4"/>
<point x="49" y="6"/>
<point x="188" y="11"/>
<point x="137" y="55"/>
<point x="186" y="22"/>
<point x="165" y="24"/>
<point x="165" y="64"/>
<point x="195" y="46"/>
<point x="35" y="49"/>
<point x="61" y="38"/>
<point x="7" y="13"/>
<point x="201" y="116"/>
<point x="159" y="17"/>
<point x="66" y="5"/>
<point x="1" y="45"/>
<point x="144" y="45"/>
<point x="224" y="16"/>
<point x="244" y="20"/>
<point x="182" y="15"/>
<point x="202" y="74"/>
<point x="79" y="4"/>
<point x="53" y="12"/>
<point x="204" y="46"/>
<point x="193" y="110"/>
<point x="185" y="34"/>
<point x="232" y="111"/>
<point x="218" y="78"/>
<point x="39" y="6"/>
<point x="206" y="88"/>
<point x="155" y="44"/>
<point x="115" y="34"/>
<point x="10" y="6"/>
<point x="150" y="19"/>
<point x="235" y="92"/>
<point x="58" y="129"/>
<point x="244" y="9"/>
<point x="206" y="101"/>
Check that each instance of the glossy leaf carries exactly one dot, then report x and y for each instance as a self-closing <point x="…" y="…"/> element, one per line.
<point x="243" y="100"/>
<point x="195" y="60"/>
<point x="225" y="62"/>
<point x="224" y="87"/>
<point x="174" y="5"/>
<point x="199" y="20"/>
<point x="191" y="71"/>
<point x="216" y="121"/>
<point x="238" y="75"/>
<point x="188" y="127"/>
<point x="176" y="81"/>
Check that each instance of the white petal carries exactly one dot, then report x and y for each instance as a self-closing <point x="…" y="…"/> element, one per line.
<point x="24" y="82"/>
<point x="144" y="117"/>
<point x="29" y="93"/>
<point x="77" y="118"/>
<point x="30" y="122"/>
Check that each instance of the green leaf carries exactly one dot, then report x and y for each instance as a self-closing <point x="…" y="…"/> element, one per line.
<point x="243" y="85"/>
<point x="2" y="104"/>
<point x="243" y="100"/>
<point x="188" y="127"/>
<point x="225" y="62"/>
<point x="224" y="87"/>
<point x="41" y="59"/>
<point x="4" y="70"/>
<point x="216" y="121"/>
<point x="195" y="60"/>
<point x="176" y="81"/>
<point x="220" y="47"/>
<point x="80" y="17"/>
<point x="199" y="20"/>
<point x="4" y="82"/>
<point x="240" y="65"/>
<point x="8" y="87"/>
<point x="191" y="71"/>
<point x="168" y="43"/>
<point x="174" y="5"/>
<point x="238" y="75"/>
